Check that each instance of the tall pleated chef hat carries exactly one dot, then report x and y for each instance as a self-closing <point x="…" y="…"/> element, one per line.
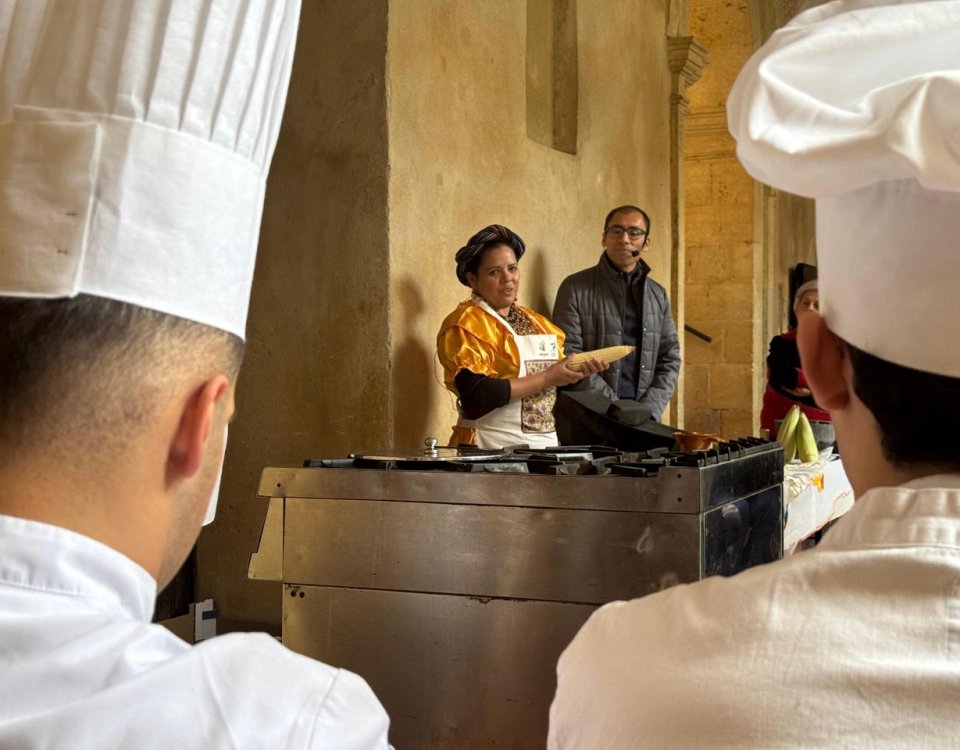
<point x="857" y="104"/>
<point x="135" y="140"/>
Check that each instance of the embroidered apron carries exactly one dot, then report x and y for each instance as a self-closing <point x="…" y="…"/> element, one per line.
<point x="528" y="420"/>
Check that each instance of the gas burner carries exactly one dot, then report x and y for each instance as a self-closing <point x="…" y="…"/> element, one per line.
<point x="569" y="460"/>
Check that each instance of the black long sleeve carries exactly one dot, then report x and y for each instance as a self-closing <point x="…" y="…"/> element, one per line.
<point x="783" y="361"/>
<point x="480" y="394"/>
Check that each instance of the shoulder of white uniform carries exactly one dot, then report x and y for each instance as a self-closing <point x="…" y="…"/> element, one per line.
<point x="701" y="609"/>
<point x="252" y="667"/>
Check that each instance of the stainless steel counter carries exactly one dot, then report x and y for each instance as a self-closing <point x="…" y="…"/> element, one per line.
<point x="454" y="594"/>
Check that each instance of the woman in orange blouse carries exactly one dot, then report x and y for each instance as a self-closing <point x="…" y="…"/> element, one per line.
<point x="502" y="360"/>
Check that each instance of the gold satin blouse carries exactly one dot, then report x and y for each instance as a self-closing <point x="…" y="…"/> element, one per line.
<point x="470" y="338"/>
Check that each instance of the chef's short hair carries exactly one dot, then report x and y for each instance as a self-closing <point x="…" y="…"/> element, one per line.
<point x="89" y="365"/>
<point x="917" y="412"/>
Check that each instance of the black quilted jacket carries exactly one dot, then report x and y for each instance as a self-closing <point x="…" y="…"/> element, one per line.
<point x="589" y="309"/>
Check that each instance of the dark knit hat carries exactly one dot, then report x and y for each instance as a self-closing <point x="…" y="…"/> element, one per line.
<point x="495" y="234"/>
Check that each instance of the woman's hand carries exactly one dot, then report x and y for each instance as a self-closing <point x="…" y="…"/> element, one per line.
<point x="556" y="375"/>
<point x="560" y="374"/>
<point x="592" y="366"/>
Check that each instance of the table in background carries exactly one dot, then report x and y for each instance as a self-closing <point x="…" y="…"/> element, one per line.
<point x="813" y="495"/>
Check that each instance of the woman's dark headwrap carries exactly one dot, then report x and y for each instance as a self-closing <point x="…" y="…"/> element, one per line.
<point x="495" y="234"/>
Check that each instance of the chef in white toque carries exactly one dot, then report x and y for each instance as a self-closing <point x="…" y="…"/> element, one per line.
<point x="135" y="140"/>
<point x="854" y="643"/>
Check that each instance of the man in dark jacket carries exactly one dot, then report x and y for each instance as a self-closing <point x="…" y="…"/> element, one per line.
<point x="616" y="302"/>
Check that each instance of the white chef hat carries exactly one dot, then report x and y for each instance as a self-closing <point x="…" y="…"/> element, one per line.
<point x="135" y="140"/>
<point x="856" y="103"/>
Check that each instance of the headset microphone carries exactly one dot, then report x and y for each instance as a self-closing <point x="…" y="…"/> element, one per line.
<point x="635" y="253"/>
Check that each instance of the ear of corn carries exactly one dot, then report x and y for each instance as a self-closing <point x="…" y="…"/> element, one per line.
<point x="806" y="442"/>
<point x="787" y="434"/>
<point x="609" y="354"/>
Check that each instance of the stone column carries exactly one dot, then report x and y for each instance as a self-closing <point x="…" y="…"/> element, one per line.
<point x="687" y="58"/>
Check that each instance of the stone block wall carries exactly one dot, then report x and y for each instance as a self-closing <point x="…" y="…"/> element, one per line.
<point x="723" y="262"/>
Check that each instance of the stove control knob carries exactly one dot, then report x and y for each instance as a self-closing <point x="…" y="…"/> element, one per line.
<point x="431" y="443"/>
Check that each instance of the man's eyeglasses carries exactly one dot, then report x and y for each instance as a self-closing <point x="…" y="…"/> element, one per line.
<point x="634" y="233"/>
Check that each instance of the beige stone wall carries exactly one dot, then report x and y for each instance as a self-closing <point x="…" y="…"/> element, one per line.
<point x="406" y="130"/>
<point x="724" y="270"/>
<point x="742" y="237"/>
<point x="461" y="158"/>
<point x="317" y="363"/>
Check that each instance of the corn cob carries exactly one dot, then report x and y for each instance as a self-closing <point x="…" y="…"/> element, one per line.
<point x="806" y="442"/>
<point x="609" y="354"/>
<point x="787" y="434"/>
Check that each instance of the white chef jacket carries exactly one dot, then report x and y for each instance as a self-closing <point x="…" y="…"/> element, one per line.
<point x="853" y="644"/>
<point x="82" y="667"/>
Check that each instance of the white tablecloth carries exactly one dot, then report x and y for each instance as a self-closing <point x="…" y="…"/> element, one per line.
<point x="813" y="494"/>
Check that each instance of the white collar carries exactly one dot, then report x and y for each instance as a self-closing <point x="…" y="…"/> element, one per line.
<point x="923" y="512"/>
<point x="934" y="481"/>
<point x="48" y="558"/>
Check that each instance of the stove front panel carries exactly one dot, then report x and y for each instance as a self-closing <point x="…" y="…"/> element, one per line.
<point x="451" y="671"/>
<point x="743" y="533"/>
<point x="586" y="557"/>
<point x="676" y="491"/>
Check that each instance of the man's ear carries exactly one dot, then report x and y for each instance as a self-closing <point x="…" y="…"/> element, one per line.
<point x="822" y="361"/>
<point x="193" y="431"/>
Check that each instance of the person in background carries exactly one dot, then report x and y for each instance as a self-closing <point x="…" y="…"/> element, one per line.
<point x="502" y="360"/>
<point x="853" y="643"/>
<point x="617" y="303"/>
<point x="135" y="140"/>
<point x="786" y="384"/>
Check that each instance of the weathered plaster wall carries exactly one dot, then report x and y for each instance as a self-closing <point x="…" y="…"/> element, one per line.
<point x="724" y="272"/>
<point x="401" y="138"/>
<point x="355" y="268"/>
<point x="313" y="382"/>
<point x="461" y="158"/>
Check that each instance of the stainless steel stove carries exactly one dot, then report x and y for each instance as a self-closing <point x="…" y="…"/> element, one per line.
<point x="452" y="580"/>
